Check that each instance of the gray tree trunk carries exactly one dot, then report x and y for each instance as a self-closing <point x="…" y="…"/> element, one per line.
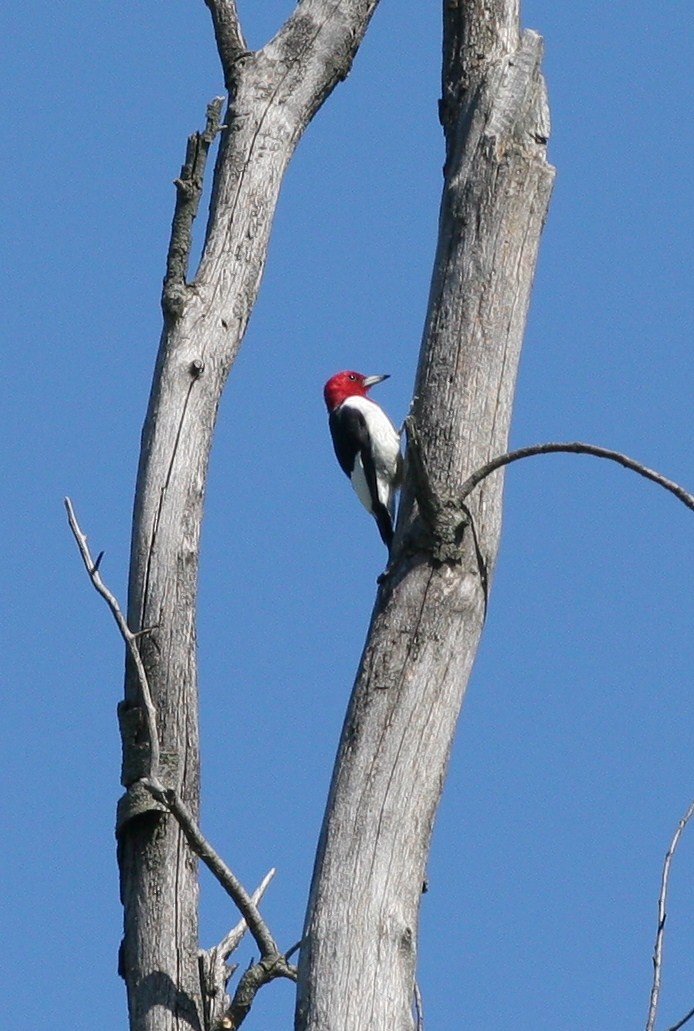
<point x="273" y="95"/>
<point x="357" y="963"/>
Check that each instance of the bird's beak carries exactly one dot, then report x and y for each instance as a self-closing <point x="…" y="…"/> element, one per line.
<point x="370" y="381"/>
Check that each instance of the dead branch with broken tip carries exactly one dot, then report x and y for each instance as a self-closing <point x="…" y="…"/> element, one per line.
<point x="272" y="963"/>
<point x="129" y="637"/>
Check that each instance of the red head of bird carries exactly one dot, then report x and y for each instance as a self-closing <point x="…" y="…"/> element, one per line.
<point x="348" y="384"/>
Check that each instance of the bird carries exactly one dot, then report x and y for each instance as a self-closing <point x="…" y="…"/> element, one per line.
<point x="367" y="445"/>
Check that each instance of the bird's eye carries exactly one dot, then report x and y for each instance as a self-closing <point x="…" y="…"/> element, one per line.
<point x="352" y="376"/>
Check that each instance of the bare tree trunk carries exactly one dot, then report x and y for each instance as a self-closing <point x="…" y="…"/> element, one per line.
<point x="273" y="95"/>
<point x="358" y="958"/>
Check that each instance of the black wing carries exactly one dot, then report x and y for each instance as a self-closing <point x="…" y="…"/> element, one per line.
<point x="351" y="438"/>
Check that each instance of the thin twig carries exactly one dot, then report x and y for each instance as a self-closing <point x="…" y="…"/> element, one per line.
<point x="272" y="963"/>
<point x="680" y="1023"/>
<point x="215" y="971"/>
<point x="216" y="865"/>
<point x="231" y="940"/>
<point x="419" y="1007"/>
<point x="257" y="975"/>
<point x="479" y="555"/>
<point x="662" y="916"/>
<point x="294" y="948"/>
<point x="427" y="501"/>
<point x="167" y="796"/>
<point x="577" y="448"/>
<point x="126" y="633"/>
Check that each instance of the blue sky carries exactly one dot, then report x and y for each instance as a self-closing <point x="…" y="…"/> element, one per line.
<point x="573" y="760"/>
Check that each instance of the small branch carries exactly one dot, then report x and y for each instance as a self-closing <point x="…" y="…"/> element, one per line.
<point x="662" y="916"/>
<point x="578" y="449"/>
<point x="228" y="34"/>
<point x="295" y="948"/>
<point x="427" y="502"/>
<point x="272" y="963"/>
<point x="188" y="192"/>
<point x="126" y="633"/>
<point x="251" y="982"/>
<point x="215" y="864"/>
<point x="442" y="520"/>
<point x="419" y="1008"/>
<point x="479" y="556"/>
<point x="215" y="971"/>
<point x="680" y="1023"/>
<point x="231" y="940"/>
<point x="445" y="517"/>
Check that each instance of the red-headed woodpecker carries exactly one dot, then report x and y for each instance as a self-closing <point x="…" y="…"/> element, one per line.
<point x="367" y="445"/>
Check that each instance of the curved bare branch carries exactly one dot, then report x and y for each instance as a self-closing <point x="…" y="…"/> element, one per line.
<point x="575" y="448"/>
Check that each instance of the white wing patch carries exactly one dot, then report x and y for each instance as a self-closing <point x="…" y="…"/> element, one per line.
<point x="361" y="488"/>
<point x="385" y="448"/>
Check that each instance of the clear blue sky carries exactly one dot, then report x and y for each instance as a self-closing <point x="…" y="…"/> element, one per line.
<point x="573" y="760"/>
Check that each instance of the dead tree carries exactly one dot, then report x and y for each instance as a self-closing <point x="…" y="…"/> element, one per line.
<point x="359" y="946"/>
<point x="358" y="958"/>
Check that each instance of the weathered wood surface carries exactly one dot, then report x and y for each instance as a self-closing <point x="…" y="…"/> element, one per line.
<point x="357" y="963"/>
<point x="273" y="95"/>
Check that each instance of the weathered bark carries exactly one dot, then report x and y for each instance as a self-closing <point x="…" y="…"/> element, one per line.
<point x="358" y="958"/>
<point x="273" y="95"/>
